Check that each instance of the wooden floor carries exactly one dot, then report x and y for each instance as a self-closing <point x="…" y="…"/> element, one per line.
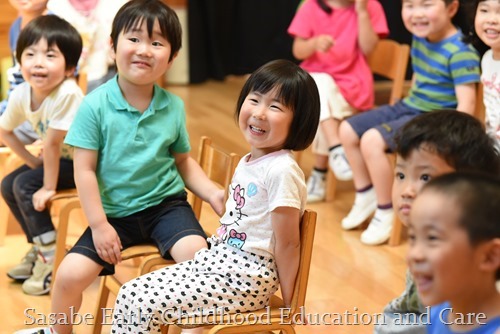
<point x="347" y="278"/>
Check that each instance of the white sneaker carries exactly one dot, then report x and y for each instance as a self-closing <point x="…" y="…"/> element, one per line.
<point x="316" y="187"/>
<point x="339" y="164"/>
<point x="39" y="283"/>
<point x="379" y="229"/>
<point x="365" y="204"/>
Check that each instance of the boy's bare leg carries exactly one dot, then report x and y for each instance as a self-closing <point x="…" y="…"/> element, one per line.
<point x="373" y="149"/>
<point x="330" y="129"/>
<point x="74" y="275"/>
<point x="185" y="248"/>
<point x="351" y="143"/>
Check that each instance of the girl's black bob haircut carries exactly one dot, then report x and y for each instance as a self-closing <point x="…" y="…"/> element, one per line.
<point x="296" y="90"/>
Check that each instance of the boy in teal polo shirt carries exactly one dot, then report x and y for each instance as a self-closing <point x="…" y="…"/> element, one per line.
<point x="132" y="159"/>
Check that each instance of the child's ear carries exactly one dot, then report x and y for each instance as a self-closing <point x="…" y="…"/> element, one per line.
<point x="70" y="72"/>
<point x="490" y="256"/>
<point x="452" y="8"/>
<point x="112" y="53"/>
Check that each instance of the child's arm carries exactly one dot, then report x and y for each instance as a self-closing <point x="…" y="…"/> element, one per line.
<point x="10" y="139"/>
<point x="287" y="248"/>
<point x="51" y="157"/>
<point x="367" y="37"/>
<point x="466" y="98"/>
<point x="197" y="181"/>
<point x="304" y="48"/>
<point x="106" y="240"/>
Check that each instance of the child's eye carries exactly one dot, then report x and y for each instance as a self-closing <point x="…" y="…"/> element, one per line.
<point x="425" y="177"/>
<point x="157" y="44"/>
<point x="133" y="39"/>
<point x="276" y="107"/>
<point x="400" y="176"/>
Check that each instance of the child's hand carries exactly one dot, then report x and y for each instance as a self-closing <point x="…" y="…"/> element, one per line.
<point x="217" y="202"/>
<point x="107" y="243"/>
<point x="323" y="43"/>
<point x="361" y="6"/>
<point x="40" y="198"/>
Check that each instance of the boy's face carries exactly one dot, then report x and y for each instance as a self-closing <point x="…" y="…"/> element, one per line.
<point x="43" y="67"/>
<point x="141" y="59"/>
<point x="430" y="19"/>
<point x="440" y="256"/>
<point x="29" y="6"/>
<point x="487" y="24"/>
<point x="411" y="175"/>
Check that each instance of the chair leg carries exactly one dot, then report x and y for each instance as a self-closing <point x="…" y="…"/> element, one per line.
<point x="397" y="229"/>
<point x="101" y="304"/>
<point x="331" y="186"/>
<point x="4" y="220"/>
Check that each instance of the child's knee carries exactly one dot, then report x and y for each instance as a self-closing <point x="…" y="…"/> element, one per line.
<point x="347" y="134"/>
<point x="372" y="143"/>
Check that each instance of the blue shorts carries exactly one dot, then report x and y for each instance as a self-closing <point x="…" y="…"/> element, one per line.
<point x="162" y="225"/>
<point x="387" y="120"/>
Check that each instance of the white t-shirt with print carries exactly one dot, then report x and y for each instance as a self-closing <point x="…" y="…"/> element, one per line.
<point x="258" y="187"/>
<point x="490" y="78"/>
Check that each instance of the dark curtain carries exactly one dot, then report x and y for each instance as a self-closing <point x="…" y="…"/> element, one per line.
<point x="237" y="36"/>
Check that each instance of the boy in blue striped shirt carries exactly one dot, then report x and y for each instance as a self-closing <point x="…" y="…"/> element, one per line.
<point x="446" y="71"/>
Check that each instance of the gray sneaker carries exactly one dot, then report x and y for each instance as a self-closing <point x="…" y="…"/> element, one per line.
<point x="24" y="269"/>
<point x="39" y="283"/>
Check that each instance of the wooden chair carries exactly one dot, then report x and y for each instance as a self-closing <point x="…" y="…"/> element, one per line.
<point x="218" y="165"/>
<point x="389" y="60"/>
<point x="280" y="318"/>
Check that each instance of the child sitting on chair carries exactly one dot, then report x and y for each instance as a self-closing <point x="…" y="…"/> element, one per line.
<point x="257" y="247"/>
<point x="48" y="50"/>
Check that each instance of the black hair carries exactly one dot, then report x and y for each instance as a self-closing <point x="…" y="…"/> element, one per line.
<point x="323" y="5"/>
<point x="478" y="199"/>
<point x="458" y="138"/>
<point x="135" y="12"/>
<point x="296" y="90"/>
<point x="470" y="33"/>
<point x="56" y="31"/>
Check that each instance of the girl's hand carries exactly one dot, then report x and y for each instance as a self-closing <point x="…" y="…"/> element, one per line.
<point x="41" y="197"/>
<point x="217" y="202"/>
<point x="107" y="243"/>
<point x="323" y="43"/>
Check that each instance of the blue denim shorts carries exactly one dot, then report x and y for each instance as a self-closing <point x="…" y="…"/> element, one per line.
<point x="162" y="225"/>
<point x="387" y="120"/>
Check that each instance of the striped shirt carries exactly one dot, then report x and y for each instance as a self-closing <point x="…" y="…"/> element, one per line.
<point x="438" y="68"/>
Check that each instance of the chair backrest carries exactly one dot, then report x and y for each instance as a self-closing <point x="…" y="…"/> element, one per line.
<point x="82" y="81"/>
<point x="307" y="229"/>
<point x="390" y="60"/>
<point x="480" y="110"/>
<point x="218" y="165"/>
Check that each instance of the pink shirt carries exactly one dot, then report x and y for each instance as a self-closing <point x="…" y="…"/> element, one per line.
<point x="345" y="61"/>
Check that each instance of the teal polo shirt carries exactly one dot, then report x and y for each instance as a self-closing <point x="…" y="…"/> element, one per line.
<point x="135" y="167"/>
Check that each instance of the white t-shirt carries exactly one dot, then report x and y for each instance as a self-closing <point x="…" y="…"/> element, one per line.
<point x="257" y="188"/>
<point x="490" y="78"/>
<point x="56" y="111"/>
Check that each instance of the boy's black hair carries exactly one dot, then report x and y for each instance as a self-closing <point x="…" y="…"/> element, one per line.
<point x="296" y="90"/>
<point x="56" y="31"/>
<point x="135" y="12"/>
<point x="458" y="138"/>
<point x="478" y="202"/>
